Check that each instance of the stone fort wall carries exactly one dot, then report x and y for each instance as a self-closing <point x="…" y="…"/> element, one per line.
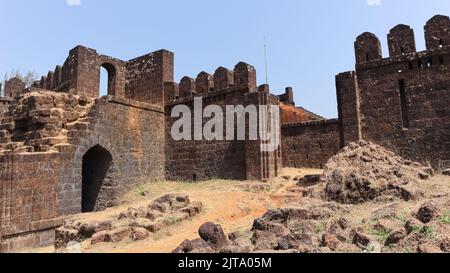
<point x="63" y="150"/>
<point x="42" y="178"/>
<point x="401" y="102"/>
<point x="310" y="144"/>
<point x="53" y="133"/>
<point x="227" y="159"/>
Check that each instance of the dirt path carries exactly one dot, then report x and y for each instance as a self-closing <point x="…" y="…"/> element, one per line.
<point x="232" y="204"/>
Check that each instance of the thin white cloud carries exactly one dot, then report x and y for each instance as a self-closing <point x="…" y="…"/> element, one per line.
<point x="73" y="2"/>
<point x="374" y="2"/>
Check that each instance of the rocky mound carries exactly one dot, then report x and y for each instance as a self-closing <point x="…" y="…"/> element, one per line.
<point x="364" y="172"/>
<point x="134" y="223"/>
<point x="330" y="227"/>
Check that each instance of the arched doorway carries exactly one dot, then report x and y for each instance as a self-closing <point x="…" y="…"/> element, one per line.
<point x="97" y="166"/>
<point x="107" y="79"/>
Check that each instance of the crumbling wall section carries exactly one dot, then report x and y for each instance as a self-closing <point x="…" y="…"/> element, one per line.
<point x="43" y="140"/>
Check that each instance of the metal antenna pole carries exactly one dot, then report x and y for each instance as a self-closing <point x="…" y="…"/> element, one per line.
<point x="265" y="60"/>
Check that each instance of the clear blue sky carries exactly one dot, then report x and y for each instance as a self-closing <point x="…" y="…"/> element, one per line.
<point x="309" y="42"/>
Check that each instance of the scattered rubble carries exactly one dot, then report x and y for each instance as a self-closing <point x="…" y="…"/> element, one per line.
<point x="372" y="203"/>
<point x="134" y="223"/>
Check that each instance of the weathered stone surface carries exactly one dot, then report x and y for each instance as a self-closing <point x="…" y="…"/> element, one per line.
<point x="63" y="236"/>
<point x="445" y="245"/>
<point x="101" y="237"/>
<point x="194" y="246"/>
<point x="120" y="234"/>
<point x="395" y="237"/>
<point x="412" y="225"/>
<point x="330" y="241"/>
<point x="362" y="240"/>
<point x="138" y="234"/>
<point x="428" y="248"/>
<point x="212" y="234"/>
<point x="385" y="225"/>
<point x="387" y="212"/>
<point x="428" y="212"/>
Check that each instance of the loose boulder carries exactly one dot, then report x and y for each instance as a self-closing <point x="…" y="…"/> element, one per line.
<point x="213" y="234"/>
<point x="428" y="212"/>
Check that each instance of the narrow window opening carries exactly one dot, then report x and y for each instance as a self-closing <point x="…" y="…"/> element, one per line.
<point x="430" y="62"/>
<point x="420" y="64"/>
<point x="194" y="177"/>
<point x="410" y="65"/>
<point x="402" y="50"/>
<point x="403" y="104"/>
<point x="103" y="82"/>
<point x="367" y="57"/>
<point x="441" y="43"/>
<point x="107" y="80"/>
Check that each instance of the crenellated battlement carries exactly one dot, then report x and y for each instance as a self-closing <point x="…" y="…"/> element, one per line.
<point x="56" y="139"/>
<point x="401" y="43"/>
<point x="401" y="101"/>
<point x="241" y="78"/>
<point x="140" y="79"/>
<point x="204" y="83"/>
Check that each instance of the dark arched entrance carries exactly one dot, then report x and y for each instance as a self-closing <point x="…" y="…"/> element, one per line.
<point x="97" y="164"/>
